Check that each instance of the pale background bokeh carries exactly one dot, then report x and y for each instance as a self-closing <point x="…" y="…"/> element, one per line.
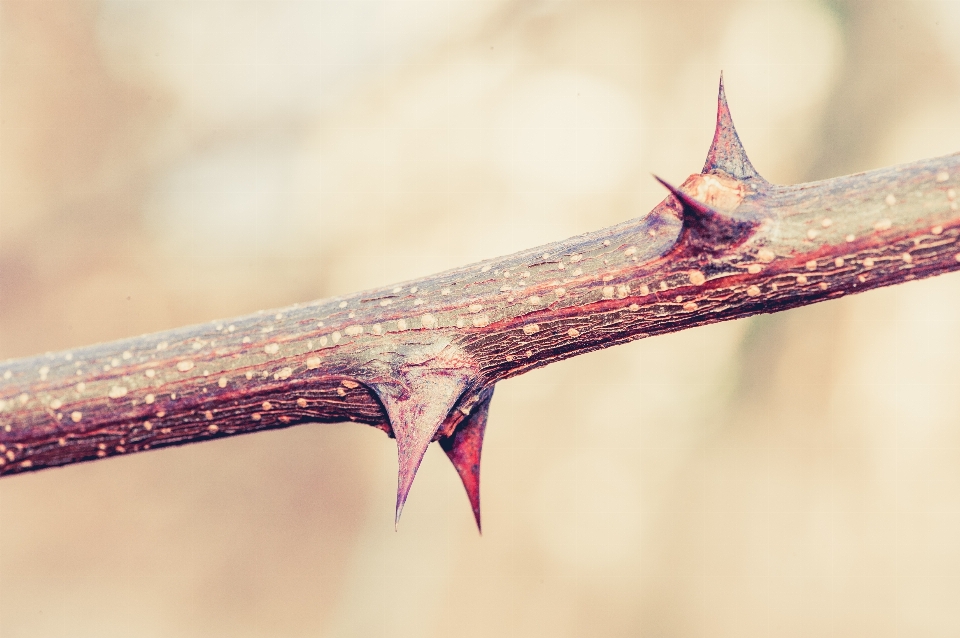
<point x="165" y="163"/>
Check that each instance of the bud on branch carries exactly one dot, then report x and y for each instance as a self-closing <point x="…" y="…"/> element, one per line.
<point x="419" y="360"/>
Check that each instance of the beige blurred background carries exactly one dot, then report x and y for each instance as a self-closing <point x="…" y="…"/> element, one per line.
<point x="164" y="163"/>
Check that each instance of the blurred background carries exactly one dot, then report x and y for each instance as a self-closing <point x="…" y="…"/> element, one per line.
<point x="165" y="163"/>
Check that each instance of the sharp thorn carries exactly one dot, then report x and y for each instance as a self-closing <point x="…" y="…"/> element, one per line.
<point x="695" y="206"/>
<point x="416" y="411"/>
<point x="463" y="448"/>
<point x="726" y="152"/>
<point x="705" y="227"/>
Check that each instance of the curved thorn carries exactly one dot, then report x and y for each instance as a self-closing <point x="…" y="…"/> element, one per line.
<point x="706" y="227"/>
<point x="726" y="153"/>
<point x="463" y="448"/>
<point x="695" y="207"/>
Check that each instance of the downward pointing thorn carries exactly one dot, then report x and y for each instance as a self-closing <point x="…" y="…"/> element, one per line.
<point x="463" y="448"/>
<point x="416" y="409"/>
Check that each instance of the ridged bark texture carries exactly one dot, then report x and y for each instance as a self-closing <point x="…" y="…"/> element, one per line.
<point x="419" y="360"/>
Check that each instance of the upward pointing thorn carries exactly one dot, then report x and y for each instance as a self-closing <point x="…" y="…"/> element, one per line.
<point x="726" y="153"/>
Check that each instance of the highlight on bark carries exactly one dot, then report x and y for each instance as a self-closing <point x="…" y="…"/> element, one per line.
<point x="419" y="360"/>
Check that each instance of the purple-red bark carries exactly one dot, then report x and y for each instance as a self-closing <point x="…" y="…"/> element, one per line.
<point x="420" y="360"/>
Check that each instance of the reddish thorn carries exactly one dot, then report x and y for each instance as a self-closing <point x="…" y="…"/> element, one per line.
<point x="688" y="202"/>
<point x="463" y="448"/>
<point x="707" y="228"/>
<point x="726" y="153"/>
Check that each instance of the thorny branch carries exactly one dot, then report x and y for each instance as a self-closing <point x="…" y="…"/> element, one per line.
<point x="419" y="360"/>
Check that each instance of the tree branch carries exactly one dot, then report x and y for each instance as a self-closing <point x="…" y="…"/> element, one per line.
<point x="419" y="360"/>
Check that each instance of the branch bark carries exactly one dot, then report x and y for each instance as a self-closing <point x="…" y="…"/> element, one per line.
<point x="419" y="360"/>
